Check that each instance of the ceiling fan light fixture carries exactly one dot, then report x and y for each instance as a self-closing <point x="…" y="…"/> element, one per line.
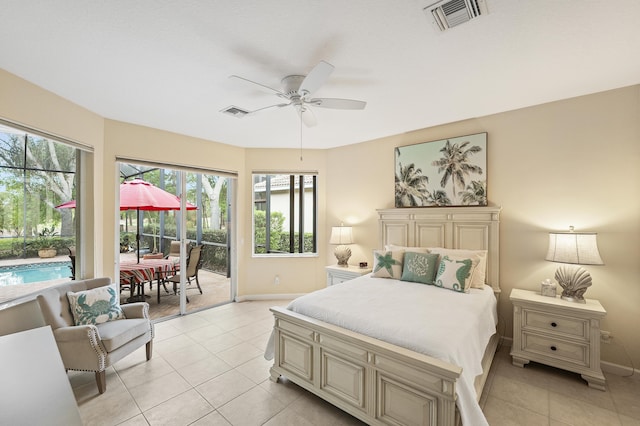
<point x="298" y="90"/>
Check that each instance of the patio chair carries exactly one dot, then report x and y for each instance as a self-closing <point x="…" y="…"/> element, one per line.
<point x="72" y="257"/>
<point x="174" y="250"/>
<point x="194" y="263"/>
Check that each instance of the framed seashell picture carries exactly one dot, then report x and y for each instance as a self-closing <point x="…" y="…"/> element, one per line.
<point x="447" y="172"/>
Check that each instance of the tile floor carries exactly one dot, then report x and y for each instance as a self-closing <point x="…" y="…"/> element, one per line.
<point x="208" y="369"/>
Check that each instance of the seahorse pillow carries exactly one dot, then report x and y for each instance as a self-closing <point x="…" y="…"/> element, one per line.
<point x="387" y="264"/>
<point x="453" y="273"/>
<point x="419" y="267"/>
<point x="478" y="257"/>
<point x="95" y="306"/>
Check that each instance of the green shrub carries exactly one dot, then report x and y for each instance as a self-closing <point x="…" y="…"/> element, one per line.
<point x="17" y="248"/>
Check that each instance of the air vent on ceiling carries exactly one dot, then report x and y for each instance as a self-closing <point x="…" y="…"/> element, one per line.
<point x="235" y="111"/>
<point x="449" y="13"/>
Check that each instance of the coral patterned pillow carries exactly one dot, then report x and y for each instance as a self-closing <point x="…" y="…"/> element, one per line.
<point x="420" y="267"/>
<point x="95" y="306"/>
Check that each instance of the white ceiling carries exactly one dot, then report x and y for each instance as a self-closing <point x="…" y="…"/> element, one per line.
<point x="166" y="63"/>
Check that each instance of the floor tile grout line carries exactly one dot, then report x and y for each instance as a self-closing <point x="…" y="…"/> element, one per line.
<point x="501" y="368"/>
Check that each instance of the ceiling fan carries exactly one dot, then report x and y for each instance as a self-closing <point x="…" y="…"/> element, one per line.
<point x="297" y="91"/>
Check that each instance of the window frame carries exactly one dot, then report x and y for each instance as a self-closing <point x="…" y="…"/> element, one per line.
<point x="297" y="204"/>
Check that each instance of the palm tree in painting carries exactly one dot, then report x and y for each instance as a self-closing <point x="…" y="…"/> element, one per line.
<point x="475" y="193"/>
<point x="439" y="198"/>
<point x="455" y="164"/>
<point x="411" y="186"/>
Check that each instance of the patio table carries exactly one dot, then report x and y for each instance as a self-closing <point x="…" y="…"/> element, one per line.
<point x="138" y="274"/>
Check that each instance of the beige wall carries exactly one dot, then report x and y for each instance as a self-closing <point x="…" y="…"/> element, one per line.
<point x="574" y="162"/>
<point x="27" y="104"/>
<point x="297" y="274"/>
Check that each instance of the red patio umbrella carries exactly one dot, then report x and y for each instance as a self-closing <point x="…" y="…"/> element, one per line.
<point x="138" y="194"/>
<point x="68" y="205"/>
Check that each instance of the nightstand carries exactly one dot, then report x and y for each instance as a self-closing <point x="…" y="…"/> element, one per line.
<point x="558" y="333"/>
<point x="338" y="274"/>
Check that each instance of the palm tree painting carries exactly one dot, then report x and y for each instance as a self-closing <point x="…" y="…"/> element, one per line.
<point x="411" y="186"/>
<point x="448" y="172"/>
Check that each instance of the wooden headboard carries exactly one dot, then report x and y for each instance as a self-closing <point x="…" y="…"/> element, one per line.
<point x="474" y="228"/>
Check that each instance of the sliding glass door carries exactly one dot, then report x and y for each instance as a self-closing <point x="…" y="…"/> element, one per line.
<point x="201" y="275"/>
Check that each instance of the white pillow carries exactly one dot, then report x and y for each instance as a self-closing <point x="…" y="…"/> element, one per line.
<point x="393" y="247"/>
<point x="479" y="257"/>
<point x="453" y="274"/>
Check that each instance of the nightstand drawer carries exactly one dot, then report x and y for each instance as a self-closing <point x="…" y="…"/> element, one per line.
<point x="574" y="353"/>
<point x="546" y="321"/>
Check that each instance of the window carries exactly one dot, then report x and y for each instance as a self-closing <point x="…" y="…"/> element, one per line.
<point x="36" y="175"/>
<point x="284" y="214"/>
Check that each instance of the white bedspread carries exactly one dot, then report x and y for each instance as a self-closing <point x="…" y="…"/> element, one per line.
<point x="450" y="326"/>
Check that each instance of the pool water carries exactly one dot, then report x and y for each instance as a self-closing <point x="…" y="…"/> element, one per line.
<point x="34" y="272"/>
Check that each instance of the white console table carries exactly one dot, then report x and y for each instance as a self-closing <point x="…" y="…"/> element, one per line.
<point x="34" y="387"/>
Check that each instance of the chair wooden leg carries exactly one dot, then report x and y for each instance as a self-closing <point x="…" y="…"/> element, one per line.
<point x="149" y="349"/>
<point x="101" y="381"/>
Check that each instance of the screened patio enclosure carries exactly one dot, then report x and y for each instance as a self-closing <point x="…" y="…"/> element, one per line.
<point x="207" y="226"/>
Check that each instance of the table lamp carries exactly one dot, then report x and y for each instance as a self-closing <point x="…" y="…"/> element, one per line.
<point x="342" y="235"/>
<point x="577" y="248"/>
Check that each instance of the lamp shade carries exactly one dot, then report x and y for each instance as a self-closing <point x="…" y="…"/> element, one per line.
<point x="341" y="235"/>
<point x="580" y="248"/>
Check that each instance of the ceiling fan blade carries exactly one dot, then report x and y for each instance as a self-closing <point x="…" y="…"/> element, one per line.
<point x="316" y="78"/>
<point x="336" y="103"/>
<point x="270" y="89"/>
<point x="306" y="115"/>
<point x="269" y="107"/>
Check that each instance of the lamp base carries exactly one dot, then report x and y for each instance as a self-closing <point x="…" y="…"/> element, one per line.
<point x="343" y="253"/>
<point x="572" y="299"/>
<point x="574" y="281"/>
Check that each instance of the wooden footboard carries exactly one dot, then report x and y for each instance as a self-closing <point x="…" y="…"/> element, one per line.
<point x="375" y="381"/>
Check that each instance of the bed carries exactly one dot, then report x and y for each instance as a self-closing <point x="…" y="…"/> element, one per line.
<point x="341" y="345"/>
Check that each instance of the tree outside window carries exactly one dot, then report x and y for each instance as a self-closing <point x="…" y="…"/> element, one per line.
<point x="36" y="174"/>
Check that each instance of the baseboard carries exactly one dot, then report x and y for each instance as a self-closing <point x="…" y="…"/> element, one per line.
<point x="506" y="341"/>
<point x="617" y="369"/>
<point x="249" y="297"/>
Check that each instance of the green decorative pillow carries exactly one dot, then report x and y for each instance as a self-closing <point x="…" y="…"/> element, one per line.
<point x="387" y="264"/>
<point x="95" y="306"/>
<point x="453" y="273"/>
<point x="419" y="267"/>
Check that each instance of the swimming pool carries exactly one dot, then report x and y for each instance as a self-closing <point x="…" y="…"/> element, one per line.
<point x="34" y="272"/>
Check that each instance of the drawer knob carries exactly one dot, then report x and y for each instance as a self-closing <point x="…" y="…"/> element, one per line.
<point x="553" y="348"/>
<point x="553" y="324"/>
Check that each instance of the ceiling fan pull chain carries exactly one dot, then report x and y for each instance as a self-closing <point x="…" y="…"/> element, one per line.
<point x="301" y="135"/>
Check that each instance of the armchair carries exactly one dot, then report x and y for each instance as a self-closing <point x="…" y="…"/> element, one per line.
<point x="20" y="317"/>
<point x="95" y="347"/>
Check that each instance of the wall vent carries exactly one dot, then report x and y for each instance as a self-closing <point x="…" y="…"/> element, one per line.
<point x="450" y="13"/>
<point x="235" y="111"/>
